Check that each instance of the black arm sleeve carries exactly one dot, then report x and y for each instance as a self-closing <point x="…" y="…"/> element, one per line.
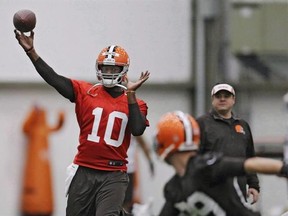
<point x="62" y="84"/>
<point x="229" y="167"/>
<point x="137" y="120"/>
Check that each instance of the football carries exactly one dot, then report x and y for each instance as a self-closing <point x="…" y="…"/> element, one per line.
<point x="24" y="20"/>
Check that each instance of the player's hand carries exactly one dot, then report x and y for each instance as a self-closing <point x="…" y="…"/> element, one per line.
<point x="133" y="86"/>
<point x="26" y="41"/>
<point x="254" y="194"/>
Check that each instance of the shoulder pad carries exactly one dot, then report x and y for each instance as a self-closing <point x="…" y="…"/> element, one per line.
<point x="172" y="188"/>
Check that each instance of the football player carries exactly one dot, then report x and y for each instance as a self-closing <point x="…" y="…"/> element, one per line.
<point x="203" y="184"/>
<point x="107" y="114"/>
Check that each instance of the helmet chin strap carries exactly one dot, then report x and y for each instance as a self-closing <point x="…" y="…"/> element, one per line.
<point x="122" y="86"/>
<point x="97" y="84"/>
<point x="89" y="90"/>
<point x="113" y="85"/>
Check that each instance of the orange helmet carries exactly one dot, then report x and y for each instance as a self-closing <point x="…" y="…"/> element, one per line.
<point x="176" y="132"/>
<point x="112" y="55"/>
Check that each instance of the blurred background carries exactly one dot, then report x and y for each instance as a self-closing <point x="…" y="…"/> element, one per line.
<point x="187" y="45"/>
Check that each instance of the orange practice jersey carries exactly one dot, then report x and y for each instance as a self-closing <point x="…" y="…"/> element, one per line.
<point x="104" y="132"/>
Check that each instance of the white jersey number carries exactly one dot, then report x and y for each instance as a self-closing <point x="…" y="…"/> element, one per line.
<point x="97" y="112"/>
<point x="200" y="204"/>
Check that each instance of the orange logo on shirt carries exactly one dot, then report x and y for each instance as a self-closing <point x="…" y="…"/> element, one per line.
<point x="239" y="129"/>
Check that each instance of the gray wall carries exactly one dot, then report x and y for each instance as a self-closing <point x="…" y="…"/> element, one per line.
<point x="70" y="34"/>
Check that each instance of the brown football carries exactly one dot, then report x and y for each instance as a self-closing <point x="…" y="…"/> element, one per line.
<point x="24" y="20"/>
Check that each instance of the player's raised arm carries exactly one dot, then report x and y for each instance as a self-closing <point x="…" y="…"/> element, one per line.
<point x="136" y="118"/>
<point x="62" y="84"/>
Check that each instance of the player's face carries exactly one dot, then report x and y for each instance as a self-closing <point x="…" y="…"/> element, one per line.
<point x="111" y="69"/>
<point x="223" y="101"/>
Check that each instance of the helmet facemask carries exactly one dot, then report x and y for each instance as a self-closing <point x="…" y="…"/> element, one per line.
<point x="110" y="80"/>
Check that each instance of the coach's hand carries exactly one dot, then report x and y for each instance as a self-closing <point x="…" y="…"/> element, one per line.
<point x="254" y="193"/>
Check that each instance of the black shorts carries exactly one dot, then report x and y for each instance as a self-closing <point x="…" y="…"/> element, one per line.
<point x="96" y="192"/>
<point x="130" y="189"/>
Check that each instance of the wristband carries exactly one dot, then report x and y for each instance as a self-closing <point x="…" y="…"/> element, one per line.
<point x="27" y="51"/>
<point x="131" y="97"/>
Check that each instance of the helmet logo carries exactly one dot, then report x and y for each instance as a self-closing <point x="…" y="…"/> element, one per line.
<point x="110" y="54"/>
<point x="108" y="61"/>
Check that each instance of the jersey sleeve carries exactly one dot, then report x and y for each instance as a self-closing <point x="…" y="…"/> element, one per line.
<point x="144" y="109"/>
<point x="77" y="87"/>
